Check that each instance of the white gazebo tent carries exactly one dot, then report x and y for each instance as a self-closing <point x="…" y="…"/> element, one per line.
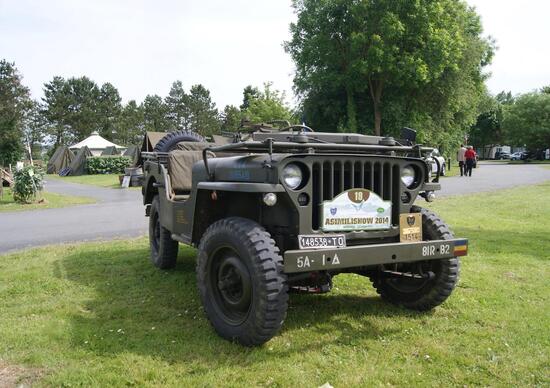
<point x="96" y="144"/>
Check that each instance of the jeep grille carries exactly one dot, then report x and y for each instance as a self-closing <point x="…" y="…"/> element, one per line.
<point x="331" y="177"/>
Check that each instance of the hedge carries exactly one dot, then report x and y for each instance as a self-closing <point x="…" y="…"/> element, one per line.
<point x="107" y="164"/>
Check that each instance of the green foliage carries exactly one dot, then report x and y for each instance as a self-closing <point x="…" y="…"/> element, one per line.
<point x="266" y="105"/>
<point x="14" y="103"/>
<point x="204" y="117"/>
<point x="386" y="64"/>
<point x="28" y="182"/>
<point x="177" y="103"/>
<point x="230" y="118"/>
<point x="107" y="164"/>
<point x="155" y="114"/>
<point x="130" y="127"/>
<point x="527" y="121"/>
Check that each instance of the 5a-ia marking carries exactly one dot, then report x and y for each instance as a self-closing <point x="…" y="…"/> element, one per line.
<point x="305" y="261"/>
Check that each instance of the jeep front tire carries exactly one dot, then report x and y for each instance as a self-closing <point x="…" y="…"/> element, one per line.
<point x="241" y="281"/>
<point x="421" y="294"/>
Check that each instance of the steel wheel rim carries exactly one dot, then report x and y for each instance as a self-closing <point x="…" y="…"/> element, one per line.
<point x="231" y="286"/>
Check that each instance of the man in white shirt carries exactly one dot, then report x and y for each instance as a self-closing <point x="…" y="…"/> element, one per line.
<point x="461" y="159"/>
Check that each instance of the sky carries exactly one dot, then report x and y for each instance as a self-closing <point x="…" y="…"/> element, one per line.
<point x="142" y="46"/>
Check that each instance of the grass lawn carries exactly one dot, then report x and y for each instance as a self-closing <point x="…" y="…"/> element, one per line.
<point x="52" y="200"/>
<point x="99" y="314"/>
<point x="102" y="180"/>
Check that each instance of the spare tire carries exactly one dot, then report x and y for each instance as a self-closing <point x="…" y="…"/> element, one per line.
<point x="169" y="142"/>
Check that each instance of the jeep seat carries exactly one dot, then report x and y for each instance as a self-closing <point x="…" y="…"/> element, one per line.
<point x="180" y="166"/>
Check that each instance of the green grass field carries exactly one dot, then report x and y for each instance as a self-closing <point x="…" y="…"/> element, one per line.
<point x="98" y="314"/>
<point x="101" y="180"/>
<point x="51" y="200"/>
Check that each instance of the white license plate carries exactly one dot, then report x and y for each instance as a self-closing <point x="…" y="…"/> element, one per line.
<point x="321" y="241"/>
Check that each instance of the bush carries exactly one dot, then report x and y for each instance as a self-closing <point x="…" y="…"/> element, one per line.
<point x="28" y="182"/>
<point x="107" y="164"/>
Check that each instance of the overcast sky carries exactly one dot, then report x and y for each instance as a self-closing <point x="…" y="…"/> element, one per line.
<point x="143" y="46"/>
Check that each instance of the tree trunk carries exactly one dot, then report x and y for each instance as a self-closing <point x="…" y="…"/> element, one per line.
<point x="352" y="115"/>
<point x="375" y="88"/>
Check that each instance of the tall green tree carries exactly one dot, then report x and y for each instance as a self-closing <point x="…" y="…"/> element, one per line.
<point x="55" y="105"/>
<point x="527" y="121"/>
<point x="230" y="118"/>
<point x="130" y="126"/>
<point x="204" y="117"/>
<point x="266" y="105"/>
<point x="177" y="105"/>
<point x="249" y="93"/>
<point x="77" y="107"/>
<point x="389" y="63"/>
<point x="109" y="108"/>
<point x="35" y="129"/>
<point x="14" y="103"/>
<point x="155" y="114"/>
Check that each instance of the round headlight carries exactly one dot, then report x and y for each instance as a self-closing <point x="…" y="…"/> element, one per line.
<point x="292" y="175"/>
<point x="408" y="176"/>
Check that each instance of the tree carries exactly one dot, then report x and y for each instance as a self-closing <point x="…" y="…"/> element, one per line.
<point x="14" y="102"/>
<point x="109" y="108"/>
<point x="400" y="62"/>
<point x="177" y="104"/>
<point x="155" y="114"/>
<point x="249" y="93"/>
<point x="77" y="107"/>
<point x="230" y="118"/>
<point x="266" y="105"/>
<point x="130" y="127"/>
<point x="204" y="117"/>
<point x="35" y="128"/>
<point x="527" y="121"/>
<point x="55" y="110"/>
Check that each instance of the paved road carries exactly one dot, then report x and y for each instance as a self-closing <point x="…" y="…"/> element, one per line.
<point x="493" y="176"/>
<point x="119" y="213"/>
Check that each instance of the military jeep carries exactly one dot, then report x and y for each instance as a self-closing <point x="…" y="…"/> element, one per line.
<point x="274" y="211"/>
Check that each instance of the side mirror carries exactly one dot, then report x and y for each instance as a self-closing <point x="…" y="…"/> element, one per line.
<point x="408" y="134"/>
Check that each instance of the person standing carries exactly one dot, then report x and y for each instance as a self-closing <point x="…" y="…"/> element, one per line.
<point x="461" y="159"/>
<point x="470" y="158"/>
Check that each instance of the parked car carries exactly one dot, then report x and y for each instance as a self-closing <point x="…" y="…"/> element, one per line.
<point x="519" y="156"/>
<point x="436" y="155"/>
<point x="503" y="155"/>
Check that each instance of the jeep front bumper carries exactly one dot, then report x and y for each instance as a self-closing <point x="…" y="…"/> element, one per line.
<point x="307" y="260"/>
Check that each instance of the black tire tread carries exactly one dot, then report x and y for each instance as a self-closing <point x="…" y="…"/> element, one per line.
<point x="168" y="142"/>
<point x="445" y="281"/>
<point x="271" y="286"/>
<point x="167" y="254"/>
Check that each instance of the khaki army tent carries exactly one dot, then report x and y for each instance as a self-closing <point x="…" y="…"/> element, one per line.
<point x="78" y="165"/>
<point x="132" y="152"/>
<point x="61" y="159"/>
<point x="110" y="151"/>
<point x="150" y="140"/>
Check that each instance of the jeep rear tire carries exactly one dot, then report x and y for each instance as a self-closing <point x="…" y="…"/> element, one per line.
<point x="164" y="250"/>
<point x="421" y="294"/>
<point x="170" y="141"/>
<point x="241" y="281"/>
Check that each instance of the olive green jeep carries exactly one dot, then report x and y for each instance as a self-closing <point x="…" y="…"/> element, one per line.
<point x="274" y="211"/>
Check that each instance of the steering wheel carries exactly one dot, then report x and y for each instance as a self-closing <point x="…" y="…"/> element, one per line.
<point x="304" y="128"/>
